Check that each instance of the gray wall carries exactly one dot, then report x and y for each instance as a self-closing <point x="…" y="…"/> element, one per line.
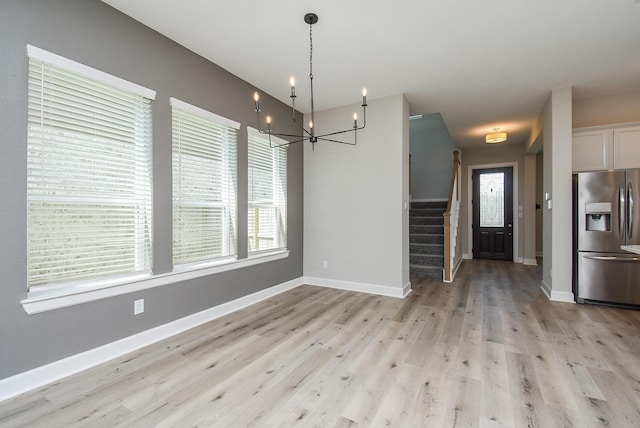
<point x="94" y="34"/>
<point x="431" y="149"/>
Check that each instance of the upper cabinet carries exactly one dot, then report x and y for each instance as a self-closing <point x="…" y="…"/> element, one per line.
<point x="626" y="148"/>
<point x="606" y="148"/>
<point x="591" y="150"/>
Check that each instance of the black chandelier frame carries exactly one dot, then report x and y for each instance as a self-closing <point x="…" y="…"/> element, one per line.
<point x="309" y="134"/>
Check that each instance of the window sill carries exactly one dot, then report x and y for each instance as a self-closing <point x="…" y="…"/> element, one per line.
<point x="50" y="299"/>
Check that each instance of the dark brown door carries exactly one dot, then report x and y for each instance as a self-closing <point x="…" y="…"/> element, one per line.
<point x="493" y="213"/>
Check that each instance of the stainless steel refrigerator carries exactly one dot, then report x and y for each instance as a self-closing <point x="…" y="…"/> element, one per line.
<point x="608" y="217"/>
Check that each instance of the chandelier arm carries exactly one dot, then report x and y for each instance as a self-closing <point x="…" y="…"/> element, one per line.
<point x="364" y="117"/>
<point x="277" y="134"/>
<point x="341" y="132"/>
<point x="337" y="141"/>
<point x="302" y="128"/>
<point x="287" y="144"/>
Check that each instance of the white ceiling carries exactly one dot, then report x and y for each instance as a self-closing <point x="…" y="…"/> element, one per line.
<point x="481" y="64"/>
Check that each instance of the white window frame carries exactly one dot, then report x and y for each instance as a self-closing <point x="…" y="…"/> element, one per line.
<point x="278" y="201"/>
<point x="182" y="115"/>
<point x="73" y="122"/>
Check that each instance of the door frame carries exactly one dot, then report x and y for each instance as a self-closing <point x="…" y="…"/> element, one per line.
<point x="516" y="213"/>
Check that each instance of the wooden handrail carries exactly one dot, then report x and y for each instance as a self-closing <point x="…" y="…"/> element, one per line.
<point x="454" y="176"/>
<point x="453" y="193"/>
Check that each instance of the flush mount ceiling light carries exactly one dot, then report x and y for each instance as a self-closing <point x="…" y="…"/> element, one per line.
<point x="496" y="137"/>
<point x="310" y="132"/>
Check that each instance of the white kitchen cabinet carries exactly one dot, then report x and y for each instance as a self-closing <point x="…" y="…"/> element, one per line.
<point x="606" y="148"/>
<point x="626" y="147"/>
<point x="592" y="150"/>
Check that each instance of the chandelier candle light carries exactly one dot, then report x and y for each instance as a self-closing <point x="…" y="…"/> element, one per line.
<point x="310" y="133"/>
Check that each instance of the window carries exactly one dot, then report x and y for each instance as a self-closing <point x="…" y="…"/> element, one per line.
<point x="204" y="184"/>
<point x="88" y="173"/>
<point x="267" y="219"/>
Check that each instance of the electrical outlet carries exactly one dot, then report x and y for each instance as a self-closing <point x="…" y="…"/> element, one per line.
<point x="138" y="306"/>
<point x="325" y="264"/>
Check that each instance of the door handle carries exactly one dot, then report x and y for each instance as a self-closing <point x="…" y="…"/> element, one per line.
<point x="634" y="259"/>
<point x="629" y="211"/>
<point x="509" y="225"/>
<point x="621" y="212"/>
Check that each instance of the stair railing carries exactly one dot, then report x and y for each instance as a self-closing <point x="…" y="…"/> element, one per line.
<point x="451" y="220"/>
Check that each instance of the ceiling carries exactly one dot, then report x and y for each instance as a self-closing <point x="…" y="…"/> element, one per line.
<point x="481" y="64"/>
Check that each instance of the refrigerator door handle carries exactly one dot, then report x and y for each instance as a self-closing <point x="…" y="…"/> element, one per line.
<point x="621" y="213"/>
<point x="629" y="211"/>
<point x="635" y="259"/>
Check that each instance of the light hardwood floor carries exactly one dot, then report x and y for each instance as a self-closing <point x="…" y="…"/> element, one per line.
<point x="488" y="350"/>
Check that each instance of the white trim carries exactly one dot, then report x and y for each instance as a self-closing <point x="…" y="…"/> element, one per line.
<point x="76" y="67"/>
<point x="530" y="262"/>
<point x="562" y="296"/>
<point x="429" y="200"/>
<point x="601" y="127"/>
<point x="361" y="287"/>
<point x="518" y="260"/>
<point x="467" y="256"/>
<point x="202" y="113"/>
<point x="455" y="270"/>
<point x="49" y="299"/>
<point x="545" y="289"/>
<point x="26" y="381"/>
<point x="515" y="192"/>
<point x="557" y="296"/>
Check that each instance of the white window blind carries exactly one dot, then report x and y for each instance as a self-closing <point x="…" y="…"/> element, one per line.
<point x="204" y="184"/>
<point x="88" y="174"/>
<point x="267" y="216"/>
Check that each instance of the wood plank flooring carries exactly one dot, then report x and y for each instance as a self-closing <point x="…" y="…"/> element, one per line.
<point x="488" y="350"/>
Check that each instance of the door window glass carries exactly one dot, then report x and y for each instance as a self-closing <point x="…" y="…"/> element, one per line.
<point x="492" y="199"/>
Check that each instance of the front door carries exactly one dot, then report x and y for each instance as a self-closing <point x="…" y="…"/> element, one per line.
<point x="493" y="213"/>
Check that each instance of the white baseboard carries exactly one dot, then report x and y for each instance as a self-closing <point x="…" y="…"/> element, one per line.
<point x="530" y="262"/>
<point x="562" y="296"/>
<point x="40" y="376"/>
<point x="546" y="289"/>
<point x="557" y="296"/>
<point x="517" y="260"/>
<point x="467" y="256"/>
<point x="382" y="290"/>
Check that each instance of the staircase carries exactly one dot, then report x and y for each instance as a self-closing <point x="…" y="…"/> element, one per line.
<point x="426" y="239"/>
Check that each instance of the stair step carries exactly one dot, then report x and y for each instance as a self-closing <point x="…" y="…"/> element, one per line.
<point x="427" y="228"/>
<point x="426" y="212"/>
<point x="430" y="205"/>
<point x="416" y="248"/>
<point x="415" y="238"/>
<point x="427" y="260"/>
<point x="426" y="220"/>
<point x="421" y="271"/>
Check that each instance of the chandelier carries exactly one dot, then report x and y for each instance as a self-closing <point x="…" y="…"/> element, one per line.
<point x="310" y="132"/>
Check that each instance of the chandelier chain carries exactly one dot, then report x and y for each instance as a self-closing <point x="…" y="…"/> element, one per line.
<point x="310" y="51"/>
